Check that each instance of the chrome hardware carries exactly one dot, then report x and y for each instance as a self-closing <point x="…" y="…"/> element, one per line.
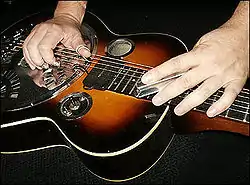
<point x="143" y="90"/>
<point x="74" y="106"/>
<point x="119" y="47"/>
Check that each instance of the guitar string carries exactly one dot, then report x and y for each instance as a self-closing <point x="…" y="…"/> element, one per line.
<point x="103" y="64"/>
<point x="140" y="77"/>
<point x="129" y="79"/>
<point x="119" y="64"/>
<point x="84" y="59"/>
<point x="230" y="108"/>
<point x="76" y="58"/>
<point x="75" y="53"/>
<point x="244" y="90"/>
<point x="212" y="98"/>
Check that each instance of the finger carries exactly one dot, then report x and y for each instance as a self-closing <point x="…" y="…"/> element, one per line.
<point x="37" y="77"/>
<point x="25" y="51"/>
<point x="198" y="96"/>
<point x="180" y="85"/>
<point x="177" y="64"/>
<point x="231" y="91"/>
<point x="46" y="46"/>
<point x="32" y="46"/>
<point x="28" y="60"/>
<point x="77" y="42"/>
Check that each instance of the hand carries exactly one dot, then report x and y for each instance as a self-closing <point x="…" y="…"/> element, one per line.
<point x="38" y="46"/>
<point x="219" y="59"/>
<point x="37" y="77"/>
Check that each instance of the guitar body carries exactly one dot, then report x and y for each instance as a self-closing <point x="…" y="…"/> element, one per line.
<point x="116" y="135"/>
<point x="95" y="111"/>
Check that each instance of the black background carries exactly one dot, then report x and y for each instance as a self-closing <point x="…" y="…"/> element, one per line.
<point x="208" y="157"/>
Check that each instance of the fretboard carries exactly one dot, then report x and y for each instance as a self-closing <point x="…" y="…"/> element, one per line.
<point x="238" y="111"/>
<point x="116" y="77"/>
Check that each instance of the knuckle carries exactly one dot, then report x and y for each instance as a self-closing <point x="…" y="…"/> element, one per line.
<point x="36" y="27"/>
<point x="158" y="72"/>
<point x="56" y="28"/>
<point x="30" y="46"/>
<point x="234" y="92"/>
<point x="176" y="64"/>
<point x="205" y="92"/>
<point x="188" y="105"/>
<point x="43" y="47"/>
<point x="197" y="99"/>
<point x="44" y="24"/>
<point x="222" y="104"/>
<point x="186" y="83"/>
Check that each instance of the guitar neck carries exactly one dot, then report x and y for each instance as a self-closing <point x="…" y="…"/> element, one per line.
<point x="124" y="79"/>
<point x="238" y="111"/>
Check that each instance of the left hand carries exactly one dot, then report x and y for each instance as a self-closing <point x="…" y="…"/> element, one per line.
<point x="219" y="59"/>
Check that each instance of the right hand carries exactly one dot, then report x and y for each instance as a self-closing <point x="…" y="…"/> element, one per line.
<point x="38" y="46"/>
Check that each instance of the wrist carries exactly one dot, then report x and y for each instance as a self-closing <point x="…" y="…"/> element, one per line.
<point x="74" y="10"/>
<point x="240" y="18"/>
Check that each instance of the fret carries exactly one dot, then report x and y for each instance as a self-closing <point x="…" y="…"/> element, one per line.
<point x="113" y="81"/>
<point x="121" y="80"/>
<point x="215" y="96"/>
<point x="233" y="118"/>
<point x="126" y="72"/>
<point x="244" y="92"/>
<point x="231" y="114"/>
<point x="235" y="114"/>
<point x="243" y="96"/>
<point x="102" y="78"/>
<point x="101" y="72"/>
<point x="227" y="111"/>
<point x="208" y="102"/>
<point x="129" y="81"/>
<point x="132" y="90"/>
<point x="239" y="107"/>
<point x="126" y="80"/>
<point x="205" y="105"/>
<point x="246" y="117"/>
<point x="242" y="99"/>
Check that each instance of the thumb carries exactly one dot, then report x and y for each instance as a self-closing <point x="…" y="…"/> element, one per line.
<point x="80" y="47"/>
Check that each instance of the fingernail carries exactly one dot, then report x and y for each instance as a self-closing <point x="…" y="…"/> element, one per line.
<point x="147" y="78"/>
<point x="85" y="52"/>
<point x="157" y="100"/>
<point x="56" y="63"/>
<point x="32" y="67"/>
<point x="178" y="111"/>
<point x="45" y="66"/>
<point x="211" y="112"/>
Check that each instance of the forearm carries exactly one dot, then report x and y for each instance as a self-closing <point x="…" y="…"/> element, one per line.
<point x="73" y="9"/>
